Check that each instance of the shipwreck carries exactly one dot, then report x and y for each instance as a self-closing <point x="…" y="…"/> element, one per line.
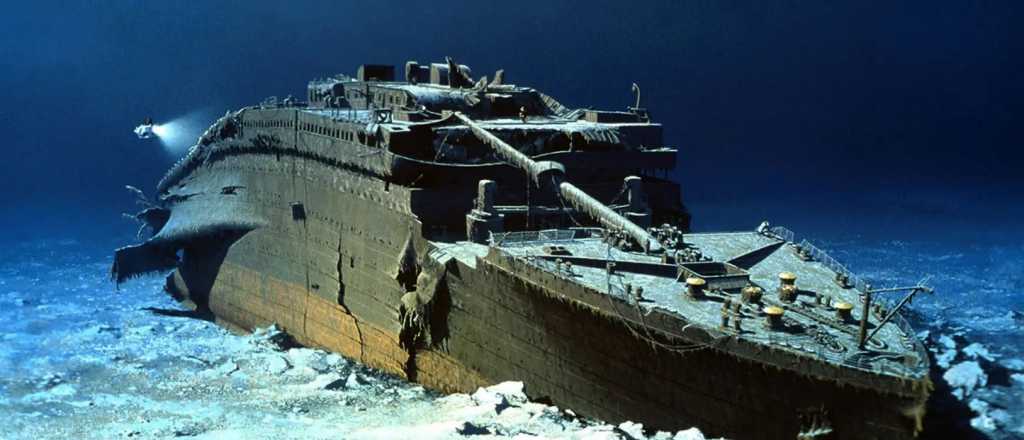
<point x="460" y="232"/>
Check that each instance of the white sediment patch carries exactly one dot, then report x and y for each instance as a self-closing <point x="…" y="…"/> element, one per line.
<point x="965" y="377"/>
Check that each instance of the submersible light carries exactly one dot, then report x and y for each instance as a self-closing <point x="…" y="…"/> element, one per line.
<point x="145" y="130"/>
<point x="175" y="135"/>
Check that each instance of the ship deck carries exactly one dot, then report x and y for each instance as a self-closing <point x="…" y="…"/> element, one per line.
<point x="811" y="328"/>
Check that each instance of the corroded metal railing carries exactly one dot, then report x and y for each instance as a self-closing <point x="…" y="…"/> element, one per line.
<point x="821" y="256"/>
<point x="517" y="237"/>
<point x="857" y="360"/>
<point x="829" y="262"/>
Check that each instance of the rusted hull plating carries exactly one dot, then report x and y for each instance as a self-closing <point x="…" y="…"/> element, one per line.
<point x="504" y="329"/>
<point x="329" y="280"/>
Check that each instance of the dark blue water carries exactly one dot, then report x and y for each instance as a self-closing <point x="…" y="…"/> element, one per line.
<point x="888" y="134"/>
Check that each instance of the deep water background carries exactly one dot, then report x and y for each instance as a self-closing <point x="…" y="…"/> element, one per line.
<point x="889" y="133"/>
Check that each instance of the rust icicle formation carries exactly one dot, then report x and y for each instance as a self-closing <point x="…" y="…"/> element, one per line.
<point x="462" y="232"/>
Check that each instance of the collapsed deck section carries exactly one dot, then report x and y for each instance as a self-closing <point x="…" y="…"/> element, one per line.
<point x="438" y="192"/>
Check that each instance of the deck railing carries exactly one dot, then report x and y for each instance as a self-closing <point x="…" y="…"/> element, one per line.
<point x="857" y="360"/>
<point x="516" y="237"/>
<point x="821" y="256"/>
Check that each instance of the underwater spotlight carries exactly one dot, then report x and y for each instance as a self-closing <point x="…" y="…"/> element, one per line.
<point x="175" y="135"/>
<point x="147" y="129"/>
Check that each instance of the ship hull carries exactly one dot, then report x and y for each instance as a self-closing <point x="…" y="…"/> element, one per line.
<point x="329" y="274"/>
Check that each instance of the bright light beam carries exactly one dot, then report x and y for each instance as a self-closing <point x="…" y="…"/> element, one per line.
<point x="178" y="134"/>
